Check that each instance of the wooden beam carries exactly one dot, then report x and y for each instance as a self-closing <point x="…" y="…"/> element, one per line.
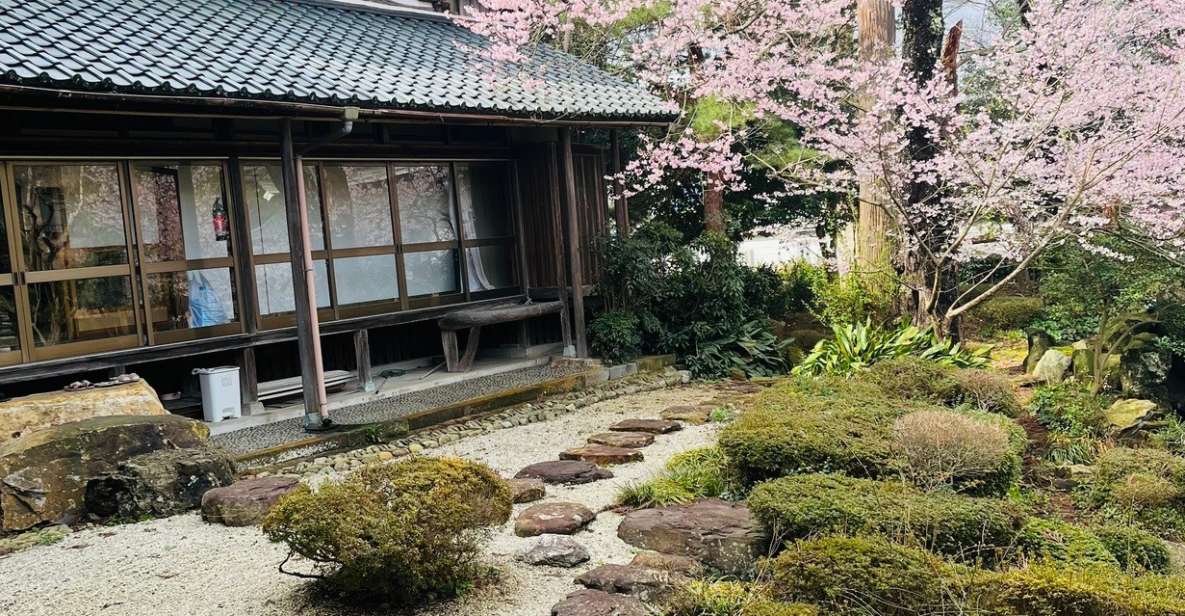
<point x="362" y="359"/>
<point x="249" y="382"/>
<point x="621" y="208"/>
<point x="575" y="266"/>
<point x="308" y="337"/>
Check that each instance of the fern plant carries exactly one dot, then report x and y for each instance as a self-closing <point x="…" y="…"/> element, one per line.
<point x="856" y="346"/>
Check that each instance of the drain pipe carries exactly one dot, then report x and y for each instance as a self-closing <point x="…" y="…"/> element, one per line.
<point x="308" y="327"/>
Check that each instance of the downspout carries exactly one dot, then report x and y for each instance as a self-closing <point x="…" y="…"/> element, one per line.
<point x="316" y="415"/>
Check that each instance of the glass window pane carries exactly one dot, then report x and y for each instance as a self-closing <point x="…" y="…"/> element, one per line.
<point x="273" y="282"/>
<point x="77" y="310"/>
<point x="359" y="205"/>
<point x="263" y="196"/>
<point x="181" y="209"/>
<point x="197" y="298"/>
<point x="431" y="272"/>
<point x="5" y="258"/>
<point x="9" y="338"/>
<point x="71" y="216"/>
<point x="483" y="195"/>
<point x="425" y="211"/>
<point x="365" y="279"/>
<point x="490" y="267"/>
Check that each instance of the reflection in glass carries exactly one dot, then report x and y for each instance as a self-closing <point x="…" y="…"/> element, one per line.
<point x="365" y="279"/>
<point x="9" y="338"/>
<point x="5" y="258"/>
<point x="431" y="272"/>
<point x="77" y="310"/>
<point x="483" y="196"/>
<point x="490" y="267"/>
<point x="359" y="205"/>
<point x="71" y="215"/>
<point x="197" y="298"/>
<point x="263" y="196"/>
<point x="182" y="210"/>
<point x="273" y="282"/>
<point x="425" y="212"/>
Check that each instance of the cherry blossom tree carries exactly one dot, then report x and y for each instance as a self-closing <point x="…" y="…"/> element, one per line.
<point x="1076" y="129"/>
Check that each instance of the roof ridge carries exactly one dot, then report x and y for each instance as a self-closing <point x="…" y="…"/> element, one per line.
<point x="368" y="6"/>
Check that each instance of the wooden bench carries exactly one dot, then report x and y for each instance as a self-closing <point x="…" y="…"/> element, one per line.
<point x="474" y="318"/>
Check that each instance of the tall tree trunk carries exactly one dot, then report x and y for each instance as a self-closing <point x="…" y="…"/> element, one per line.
<point x="874" y="246"/>
<point x="933" y="281"/>
<point x="714" y="206"/>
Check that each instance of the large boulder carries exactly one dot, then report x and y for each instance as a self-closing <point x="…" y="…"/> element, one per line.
<point x="43" y="474"/>
<point x="1129" y="415"/>
<point x="1039" y="343"/>
<point x="1144" y="369"/>
<point x="245" y="502"/>
<point x="722" y="535"/>
<point x="1053" y="367"/>
<point x="645" y="584"/>
<point x="22" y="415"/>
<point x="161" y="483"/>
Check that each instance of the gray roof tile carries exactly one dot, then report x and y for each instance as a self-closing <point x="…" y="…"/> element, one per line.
<point x="296" y="51"/>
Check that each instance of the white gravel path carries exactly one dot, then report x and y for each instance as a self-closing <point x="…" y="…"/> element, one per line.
<point x="182" y="566"/>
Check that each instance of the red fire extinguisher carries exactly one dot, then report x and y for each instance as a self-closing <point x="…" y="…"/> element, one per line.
<point x="221" y="229"/>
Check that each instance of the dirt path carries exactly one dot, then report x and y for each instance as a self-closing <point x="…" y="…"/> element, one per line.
<point x="181" y="565"/>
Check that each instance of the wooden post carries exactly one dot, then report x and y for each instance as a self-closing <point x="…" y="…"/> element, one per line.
<point x="575" y="266"/>
<point x="308" y="330"/>
<point x="362" y="359"/>
<point x="249" y="382"/>
<point x="621" y="208"/>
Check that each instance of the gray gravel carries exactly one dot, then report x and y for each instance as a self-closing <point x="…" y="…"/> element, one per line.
<point x="270" y="435"/>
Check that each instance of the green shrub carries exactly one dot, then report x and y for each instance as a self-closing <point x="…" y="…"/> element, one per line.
<point x="846" y="299"/>
<point x="860" y="345"/>
<point x="865" y="575"/>
<point x="1139" y="485"/>
<point x="750" y="351"/>
<point x="1134" y="549"/>
<point x="970" y="529"/>
<point x="970" y="452"/>
<point x="615" y="336"/>
<point x="823" y="425"/>
<point x="1002" y="313"/>
<point x="800" y="281"/>
<point x="1054" y="540"/>
<point x="985" y="391"/>
<point x="400" y="532"/>
<point x="1075" y="420"/>
<point x="919" y="379"/>
<point x="1058" y="590"/>
<point x="727" y="598"/>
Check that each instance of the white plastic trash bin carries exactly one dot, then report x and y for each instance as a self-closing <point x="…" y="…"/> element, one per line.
<point x="220" y="392"/>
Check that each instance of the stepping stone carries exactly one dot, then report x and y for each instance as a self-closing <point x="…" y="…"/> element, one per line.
<point x="526" y="490"/>
<point x="564" y="472"/>
<point x="633" y="440"/>
<point x="651" y="426"/>
<point x="722" y="535"/>
<point x="695" y="415"/>
<point x="671" y="563"/>
<point x="554" y="551"/>
<point x="598" y="603"/>
<point x="553" y="519"/>
<point x="244" y="503"/>
<point x="646" y="584"/>
<point x="602" y="455"/>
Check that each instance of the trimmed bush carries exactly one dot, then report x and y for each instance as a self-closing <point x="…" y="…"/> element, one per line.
<point x="615" y="336"/>
<point x="970" y="529"/>
<point x="727" y="598"/>
<point x="1003" y="313"/>
<point x="1053" y="590"/>
<point x="985" y="391"/>
<point x="864" y="575"/>
<point x="400" y="532"/>
<point x="1139" y="485"/>
<point x="1054" y="540"/>
<point x="914" y="378"/>
<point x="1135" y="549"/>
<point x="975" y="454"/>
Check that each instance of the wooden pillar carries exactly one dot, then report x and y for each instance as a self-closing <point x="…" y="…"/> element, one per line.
<point x="249" y="382"/>
<point x="362" y="359"/>
<point x="575" y="266"/>
<point x="621" y="208"/>
<point x="308" y="330"/>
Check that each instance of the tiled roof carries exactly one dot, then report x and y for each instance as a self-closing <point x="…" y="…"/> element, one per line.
<point x="294" y="51"/>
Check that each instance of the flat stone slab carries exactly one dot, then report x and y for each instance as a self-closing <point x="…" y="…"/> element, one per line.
<point x="557" y="518"/>
<point x="651" y="426"/>
<point x="646" y="584"/>
<point x="526" y="490"/>
<point x="695" y="415"/>
<point x="633" y="440"/>
<point x="553" y="551"/>
<point x="244" y="503"/>
<point x="602" y="455"/>
<point x="720" y="534"/>
<point x="670" y="563"/>
<point x="598" y="603"/>
<point x="564" y="472"/>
